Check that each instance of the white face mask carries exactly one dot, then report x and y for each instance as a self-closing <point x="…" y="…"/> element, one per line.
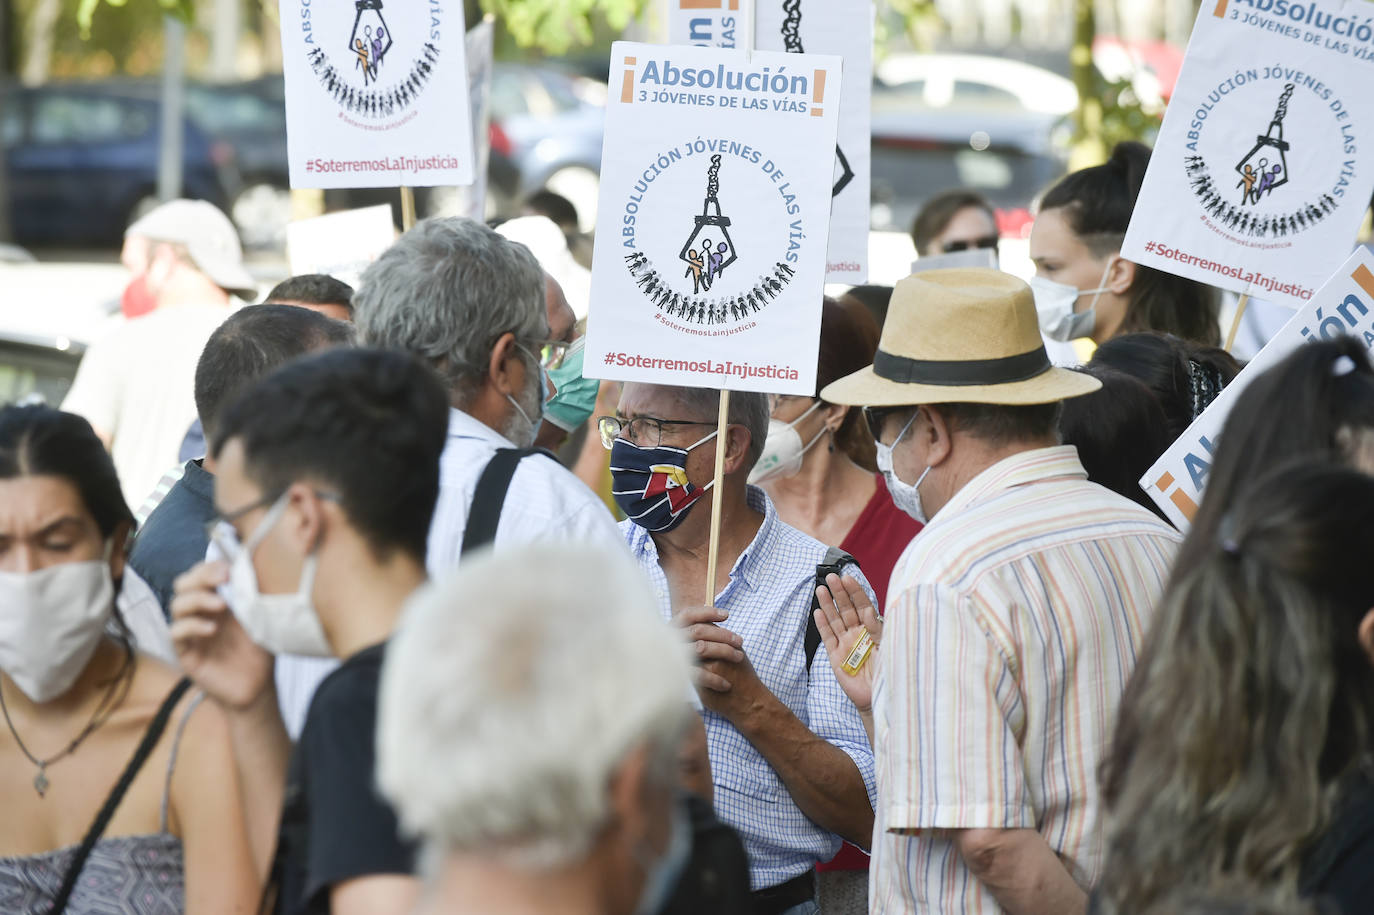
<point x="52" y="622"/>
<point x="906" y="496"/>
<point x="783" y="449"/>
<point x="280" y="623"/>
<point x="1054" y="306"/>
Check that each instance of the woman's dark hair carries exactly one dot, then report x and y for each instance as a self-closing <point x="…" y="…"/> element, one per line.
<point x="1119" y="430"/>
<point x="1185" y="376"/>
<point x="38" y="441"/>
<point x="1098" y="203"/>
<point x="1251" y="709"/>
<point x="849" y="339"/>
<point x="937" y="212"/>
<point x="1318" y="402"/>
<point x="873" y="297"/>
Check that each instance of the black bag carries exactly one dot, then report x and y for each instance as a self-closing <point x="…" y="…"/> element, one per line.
<point x="833" y="564"/>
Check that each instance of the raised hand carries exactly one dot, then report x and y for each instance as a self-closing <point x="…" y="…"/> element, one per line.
<point x="844" y="616"/>
<point x="212" y="647"/>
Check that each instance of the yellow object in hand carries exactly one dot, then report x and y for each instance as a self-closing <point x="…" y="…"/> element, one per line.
<point x="858" y="655"/>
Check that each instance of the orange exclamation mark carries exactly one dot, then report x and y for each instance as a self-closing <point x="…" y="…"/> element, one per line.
<point x="1220" y="11"/>
<point x="1178" y="497"/>
<point x="1364" y="278"/>
<point x="627" y="86"/>
<point x="818" y="94"/>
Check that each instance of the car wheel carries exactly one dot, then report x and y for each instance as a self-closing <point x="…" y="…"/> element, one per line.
<point x="261" y="212"/>
<point x="581" y="186"/>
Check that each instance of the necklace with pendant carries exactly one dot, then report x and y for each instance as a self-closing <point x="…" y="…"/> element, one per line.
<point x="98" y="717"/>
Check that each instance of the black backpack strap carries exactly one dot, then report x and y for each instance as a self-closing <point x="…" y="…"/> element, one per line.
<point x="102" y="819"/>
<point x="833" y="564"/>
<point x="485" y="513"/>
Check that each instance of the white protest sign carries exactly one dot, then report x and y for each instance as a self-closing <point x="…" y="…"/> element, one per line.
<point x="1261" y="173"/>
<point x="480" y="52"/>
<point x="843" y="27"/>
<point x="376" y="94"/>
<point x="715" y="206"/>
<point x="1344" y="305"/>
<point x="341" y="245"/>
<point x="710" y="23"/>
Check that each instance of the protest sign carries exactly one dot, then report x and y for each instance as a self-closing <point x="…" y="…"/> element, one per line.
<point x="1344" y="305"/>
<point x="711" y="23"/>
<point x="714" y="211"/>
<point x="843" y="27"/>
<point x="341" y="245"/>
<point x="1258" y="181"/>
<point x="375" y="94"/>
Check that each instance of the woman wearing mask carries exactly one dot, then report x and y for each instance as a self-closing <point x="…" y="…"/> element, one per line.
<point x="818" y="462"/>
<point x="118" y="790"/>
<point x="1082" y="285"/>
<point x="1244" y="749"/>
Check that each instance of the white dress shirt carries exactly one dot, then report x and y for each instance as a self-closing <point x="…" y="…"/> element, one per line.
<point x="545" y="501"/>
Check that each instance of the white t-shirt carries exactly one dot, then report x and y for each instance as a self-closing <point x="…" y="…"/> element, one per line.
<point x="137" y="386"/>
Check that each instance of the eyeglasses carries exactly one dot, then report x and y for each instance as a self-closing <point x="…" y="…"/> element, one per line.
<point x="987" y="241"/>
<point x="221" y="523"/>
<point x="553" y="352"/>
<point x="875" y="417"/>
<point x="645" y="431"/>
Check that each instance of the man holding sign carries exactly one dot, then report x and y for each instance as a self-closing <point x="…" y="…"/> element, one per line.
<point x="792" y="766"/>
<point x="1015" y="615"/>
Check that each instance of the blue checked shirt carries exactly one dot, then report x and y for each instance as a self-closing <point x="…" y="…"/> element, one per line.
<point x="769" y="601"/>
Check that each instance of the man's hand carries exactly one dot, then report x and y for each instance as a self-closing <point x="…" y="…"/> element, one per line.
<point x="212" y="647"/>
<point x="844" y="616"/>
<point x="710" y="643"/>
<point x="746" y="693"/>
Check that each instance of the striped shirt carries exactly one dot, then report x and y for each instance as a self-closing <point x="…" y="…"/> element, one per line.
<point x="769" y="601"/>
<point x="1014" y="625"/>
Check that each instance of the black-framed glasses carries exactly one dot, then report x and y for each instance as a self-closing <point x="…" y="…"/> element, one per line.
<point x="875" y="417"/>
<point x="212" y="527"/>
<point x="987" y="241"/>
<point x="645" y="431"/>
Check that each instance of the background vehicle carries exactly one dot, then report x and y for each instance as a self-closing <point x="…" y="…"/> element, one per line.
<point x="942" y="121"/>
<point x="82" y="161"/>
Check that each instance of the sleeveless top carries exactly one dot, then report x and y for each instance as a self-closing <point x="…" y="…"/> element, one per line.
<point x="124" y="875"/>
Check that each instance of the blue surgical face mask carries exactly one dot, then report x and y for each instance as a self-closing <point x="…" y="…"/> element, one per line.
<point x="650" y="484"/>
<point x="574" y="399"/>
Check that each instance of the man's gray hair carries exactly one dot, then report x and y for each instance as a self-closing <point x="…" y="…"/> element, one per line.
<point x="446" y="290"/>
<point x="747" y="408"/>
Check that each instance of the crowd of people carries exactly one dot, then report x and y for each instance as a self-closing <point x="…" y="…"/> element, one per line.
<point x="372" y="647"/>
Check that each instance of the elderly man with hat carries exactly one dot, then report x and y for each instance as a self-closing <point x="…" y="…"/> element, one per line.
<point x="1014" y="618"/>
<point x="136" y="385"/>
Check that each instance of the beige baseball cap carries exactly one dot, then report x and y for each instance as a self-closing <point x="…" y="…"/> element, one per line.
<point x="209" y="238"/>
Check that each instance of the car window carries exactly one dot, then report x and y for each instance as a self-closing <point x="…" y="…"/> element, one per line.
<point x="507" y="94"/>
<point x="219" y="111"/>
<point x="560" y="92"/>
<point x="86" y="119"/>
<point x="11" y="122"/>
<point x="898" y="96"/>
<point x="967" y="92"/>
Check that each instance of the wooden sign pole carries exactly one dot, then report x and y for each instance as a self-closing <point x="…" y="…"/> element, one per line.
<point x="722" y="434"/>
<point x="407" y="208"/>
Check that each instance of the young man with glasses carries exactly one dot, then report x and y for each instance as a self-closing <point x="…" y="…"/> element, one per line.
<point x="328" y="471"/>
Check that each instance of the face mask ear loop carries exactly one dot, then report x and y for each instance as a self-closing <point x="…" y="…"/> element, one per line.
<point x="1102" y="283"/>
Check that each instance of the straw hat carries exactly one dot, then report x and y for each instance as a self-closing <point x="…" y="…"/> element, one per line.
<point x="960" y="336"/>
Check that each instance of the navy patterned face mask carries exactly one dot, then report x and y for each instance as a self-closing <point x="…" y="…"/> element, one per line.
<point x="650" y="484"/>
